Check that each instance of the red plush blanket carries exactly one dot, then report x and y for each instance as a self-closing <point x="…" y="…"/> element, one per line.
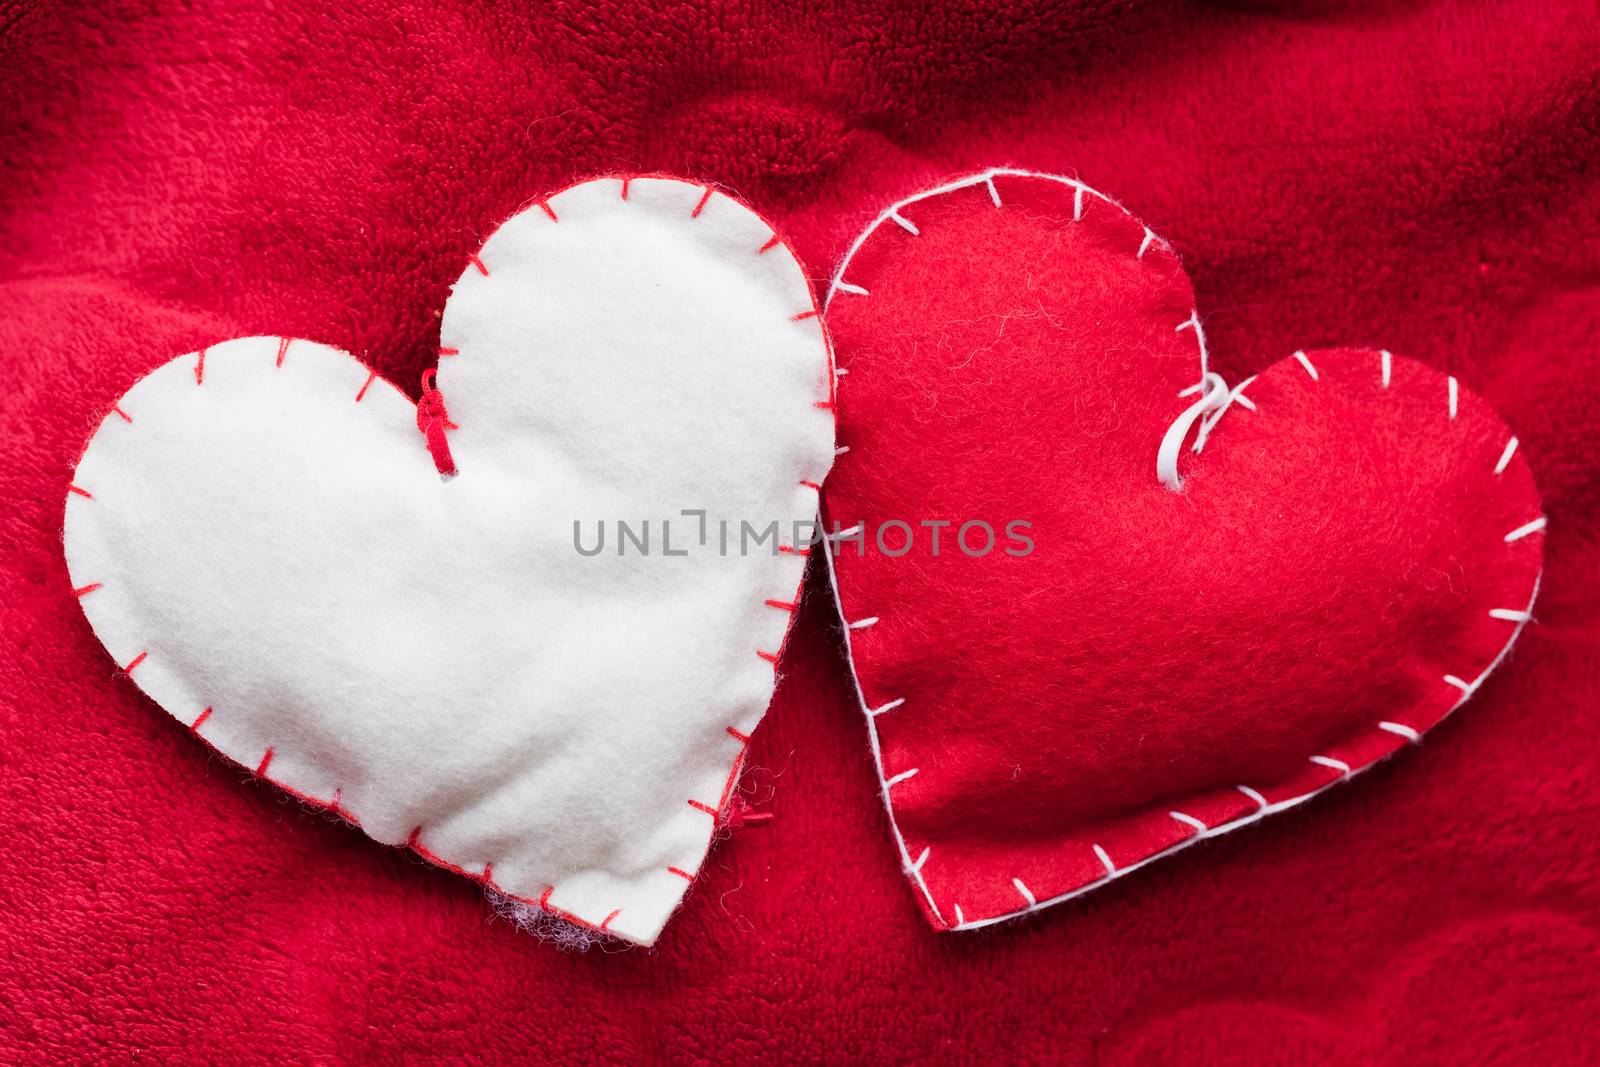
<point x="1419" y="177"/>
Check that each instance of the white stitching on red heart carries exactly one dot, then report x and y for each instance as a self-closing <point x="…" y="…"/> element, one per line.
<point x="1263" y="808"/>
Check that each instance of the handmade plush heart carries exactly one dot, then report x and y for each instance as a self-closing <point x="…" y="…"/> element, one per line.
<point x="1094" y="662"/>
<point x="542" y="672"/>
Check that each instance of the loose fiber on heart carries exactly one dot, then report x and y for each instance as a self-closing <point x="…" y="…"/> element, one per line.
<point x="1323" y="766"/>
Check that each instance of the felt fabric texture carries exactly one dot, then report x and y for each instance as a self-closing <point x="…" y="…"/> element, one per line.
<point x="1418" y="176"/>
<point x="1357" y="547"/>
<point x="485" y="667"/>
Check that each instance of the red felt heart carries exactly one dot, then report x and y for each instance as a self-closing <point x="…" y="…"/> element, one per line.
<point x="1357" y="545"/>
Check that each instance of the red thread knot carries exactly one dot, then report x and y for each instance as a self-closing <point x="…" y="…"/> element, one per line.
<point x="740" y="813"/>
<point x="433" y="420"/>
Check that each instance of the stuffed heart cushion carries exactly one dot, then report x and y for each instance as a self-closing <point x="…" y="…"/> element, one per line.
<point x="485" y="667"/>
<point x="1100" y="665"/>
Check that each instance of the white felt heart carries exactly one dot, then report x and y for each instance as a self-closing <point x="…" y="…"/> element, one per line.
<point x="257" y="533"/>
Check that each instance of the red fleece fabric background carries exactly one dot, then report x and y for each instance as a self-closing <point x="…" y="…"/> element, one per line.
<point x="1419" y="176"/>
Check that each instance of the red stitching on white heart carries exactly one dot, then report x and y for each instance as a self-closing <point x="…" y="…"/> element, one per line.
<point x="814" y="312"/>
<point x="716" y="811"/>
<point x="1264" y="808"/>
<point x="414" y="843"/>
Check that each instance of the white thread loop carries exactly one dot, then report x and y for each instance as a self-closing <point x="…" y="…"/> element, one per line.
<point x="1215" y="398"/>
